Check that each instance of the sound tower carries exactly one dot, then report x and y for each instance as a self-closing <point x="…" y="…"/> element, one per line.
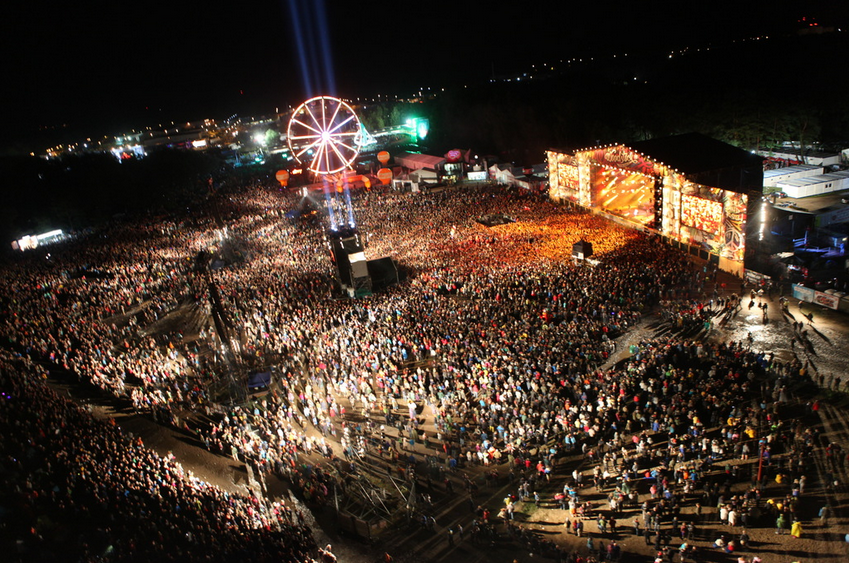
<point x="582" y="250"/>
<point x="349" y="261"/>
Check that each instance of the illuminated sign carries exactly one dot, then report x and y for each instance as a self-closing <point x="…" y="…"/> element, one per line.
<point x="30" y="242"/>
<point x="620" y="156"/>
<point x="563" y="176"/>
<point x="454" y="155"/>
<point x="420" y="126"/>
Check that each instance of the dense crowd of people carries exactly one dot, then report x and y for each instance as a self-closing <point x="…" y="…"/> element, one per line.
<point x="498" y="335"/>
<point x="84" y="491"/>
<point x="696" y="415"/>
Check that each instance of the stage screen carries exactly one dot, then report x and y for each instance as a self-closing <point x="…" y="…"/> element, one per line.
<point x="563" y="176"/>
<point x="701" y="213"/>
<point x="627" y="194"/>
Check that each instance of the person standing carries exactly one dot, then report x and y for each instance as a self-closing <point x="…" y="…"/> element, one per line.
<point x="796" y="529"/>
<point x="723" y="514"/>
<point x="824" y="513"/>
<point x="780" y="524"/>
<point x="744" y="539"/>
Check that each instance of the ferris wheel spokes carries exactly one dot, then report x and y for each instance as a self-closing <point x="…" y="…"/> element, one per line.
<point x="338" y="153"/>
<point x="331" y="131"/>
<point x="307" y="147"/>
<point x="335" y="113"/>
<point x="323" y="133"/>
<point x="299" y="122"/>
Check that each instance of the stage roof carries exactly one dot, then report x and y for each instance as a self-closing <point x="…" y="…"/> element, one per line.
<point x="706" y="161"/>
<point x="692" y="153"/>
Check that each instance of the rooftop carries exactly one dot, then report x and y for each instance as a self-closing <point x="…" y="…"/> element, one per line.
<point x="693" y="153"/>
<point x="787" y="170"/>
<point x="818" y="179"/>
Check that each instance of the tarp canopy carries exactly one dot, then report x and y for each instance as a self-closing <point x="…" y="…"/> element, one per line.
<point x="259" y="380"/>
<point x="359" y="269"/>
<point x="415" y="161"/>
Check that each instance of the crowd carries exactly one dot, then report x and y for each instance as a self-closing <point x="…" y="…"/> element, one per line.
<point x="81" y="490"/>
<point x="701" y="412"/>
<point x="473" y="321"/>
<point x="498" y="333"/>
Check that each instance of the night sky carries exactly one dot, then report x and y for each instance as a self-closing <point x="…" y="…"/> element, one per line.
<point x="99" y="67"/>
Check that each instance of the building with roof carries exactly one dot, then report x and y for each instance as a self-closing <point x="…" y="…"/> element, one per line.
<point x="692" y="190"/>
<point x="832" y="216"/>
<point x="414" y="161"/>
<point x="776" y="175"/>
<point x="791" y="155"/>
<point x="820" y="184"/>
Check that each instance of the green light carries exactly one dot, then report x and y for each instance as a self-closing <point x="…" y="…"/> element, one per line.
<point x="422" y="128"/>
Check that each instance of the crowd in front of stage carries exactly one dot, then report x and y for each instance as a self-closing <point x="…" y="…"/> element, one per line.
<point x="498" y="336"/>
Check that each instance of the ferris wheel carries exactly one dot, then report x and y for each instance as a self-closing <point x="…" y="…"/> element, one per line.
<point x="323" y="132"/>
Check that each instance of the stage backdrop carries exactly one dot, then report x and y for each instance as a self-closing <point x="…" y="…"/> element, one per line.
<point x="623" y="182"/>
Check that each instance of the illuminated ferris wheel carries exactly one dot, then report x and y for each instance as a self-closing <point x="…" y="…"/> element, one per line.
<point x="323" y="134"/>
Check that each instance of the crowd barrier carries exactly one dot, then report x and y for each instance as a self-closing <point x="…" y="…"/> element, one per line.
<point x="829" y="298"/>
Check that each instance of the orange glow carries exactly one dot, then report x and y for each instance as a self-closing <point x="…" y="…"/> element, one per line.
<point x="352" y="179"/>
<point x="384" y="175"/>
